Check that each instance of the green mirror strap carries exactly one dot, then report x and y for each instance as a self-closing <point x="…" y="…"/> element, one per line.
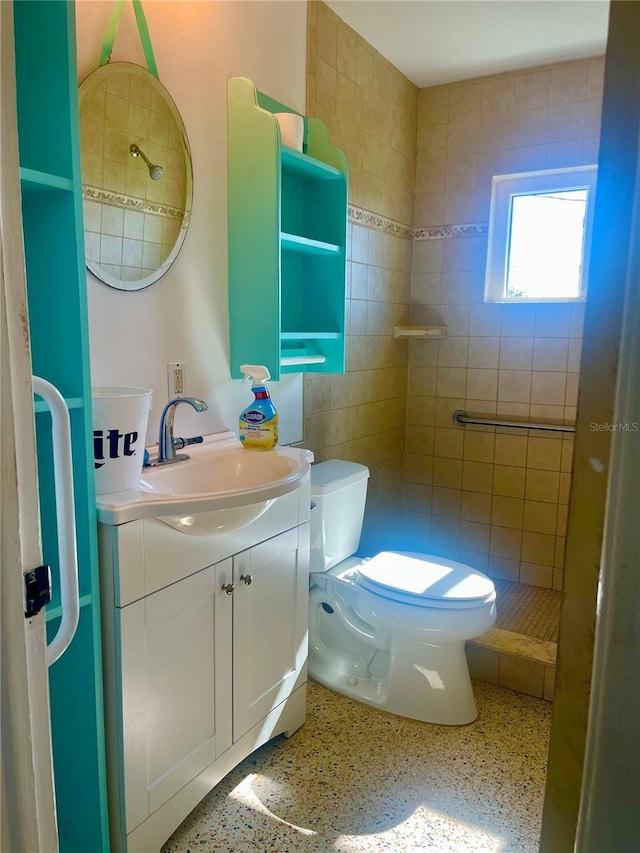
<point x="145" y="38"/>
<point x="112" y="31"/>
<point x="143" y="30"/>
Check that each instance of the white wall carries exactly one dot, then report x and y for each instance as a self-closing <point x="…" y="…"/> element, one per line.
<point x="184" y="316"/>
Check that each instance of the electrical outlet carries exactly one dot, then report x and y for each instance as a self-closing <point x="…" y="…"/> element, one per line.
<point x="175" y="378"/>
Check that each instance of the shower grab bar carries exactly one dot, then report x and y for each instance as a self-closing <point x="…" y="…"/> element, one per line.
<point x="460" y="418"/>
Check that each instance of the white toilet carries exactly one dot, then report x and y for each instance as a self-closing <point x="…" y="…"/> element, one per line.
<point x="390" y="630"/>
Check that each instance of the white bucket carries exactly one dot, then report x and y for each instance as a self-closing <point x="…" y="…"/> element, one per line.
<point x="120" y="418"/>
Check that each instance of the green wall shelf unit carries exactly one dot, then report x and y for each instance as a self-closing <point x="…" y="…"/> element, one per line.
<point x="287" y="241"/>
<point x="49" y="152"/>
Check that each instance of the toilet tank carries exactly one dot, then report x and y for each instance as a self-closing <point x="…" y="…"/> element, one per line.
<point x="338" y="495"/>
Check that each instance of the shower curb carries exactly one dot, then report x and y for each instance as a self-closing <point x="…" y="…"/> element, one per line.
<point x="515" y="661"/>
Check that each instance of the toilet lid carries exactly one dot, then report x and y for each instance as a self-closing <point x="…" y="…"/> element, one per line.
<point x="425" y="579"/>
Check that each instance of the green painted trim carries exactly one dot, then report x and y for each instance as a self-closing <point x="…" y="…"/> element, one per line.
<point x="33" y="180"/>
<point x="273" y="106"/>
<point x="254" y="230"/>
<point x="49" y="147"/>
<point x="113" y="26"/>
<point x="86" y="461"/>
<point x="145" y="38"/>
<point x="297" y="162"/>
<point x="287" y="239"/>
<point x="40" y="406"/>
<point x="295" y="243"/>
<point x="56" y="611"/>
<point x="112" y="31"/>
<point x="309" y="335"/>
<point x="320" y="147"/>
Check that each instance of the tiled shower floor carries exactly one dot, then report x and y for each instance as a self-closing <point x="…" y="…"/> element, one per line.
<point x="356" y="780"/>
<point x="530" y="610"/>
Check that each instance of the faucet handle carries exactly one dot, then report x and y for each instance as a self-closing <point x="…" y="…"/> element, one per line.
<point x="179" y="443"/>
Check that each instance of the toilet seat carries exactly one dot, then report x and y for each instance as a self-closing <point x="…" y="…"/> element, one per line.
<point x="424" y="580"/>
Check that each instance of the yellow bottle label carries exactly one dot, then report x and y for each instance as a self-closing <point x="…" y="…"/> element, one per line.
<point x="258" y="434"/>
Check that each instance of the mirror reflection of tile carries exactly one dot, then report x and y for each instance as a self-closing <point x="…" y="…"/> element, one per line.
<point x="132" y="222"/>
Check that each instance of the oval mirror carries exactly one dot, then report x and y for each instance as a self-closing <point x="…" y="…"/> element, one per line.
<point x="137" y="182"/>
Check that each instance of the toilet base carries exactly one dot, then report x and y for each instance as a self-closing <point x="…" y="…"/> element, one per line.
<point x="423" y="682"/>
<point x="370" y="690"/>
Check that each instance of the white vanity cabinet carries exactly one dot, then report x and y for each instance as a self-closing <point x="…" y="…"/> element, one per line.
<point x="270" y="616"/>
<point x="204" y="647"/>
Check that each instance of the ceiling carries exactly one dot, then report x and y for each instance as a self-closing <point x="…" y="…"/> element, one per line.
<point x="441" y="41"/>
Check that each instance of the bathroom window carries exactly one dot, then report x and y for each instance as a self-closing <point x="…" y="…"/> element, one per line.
<point x="539" y="236"/>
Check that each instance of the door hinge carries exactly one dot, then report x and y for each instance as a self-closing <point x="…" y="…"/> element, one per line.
<point x="37" y="590"/>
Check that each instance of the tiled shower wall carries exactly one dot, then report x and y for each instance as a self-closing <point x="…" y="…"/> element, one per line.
<point x="131" y="221"/>
<point x="495" y="498"/>
<point x="371" y="110"/>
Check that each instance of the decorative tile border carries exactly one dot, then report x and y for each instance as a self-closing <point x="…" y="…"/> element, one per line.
<point x="359" y="216"/>
<point x="130" y="202"/>
<point x="439" y="232"/>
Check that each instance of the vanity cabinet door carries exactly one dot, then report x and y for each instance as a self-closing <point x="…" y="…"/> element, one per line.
<point x="269" y="626"/>
<point x="176" y="683"/>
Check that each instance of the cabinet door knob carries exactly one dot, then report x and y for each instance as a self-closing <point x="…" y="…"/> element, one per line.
<point x="228" y="588"/>
<point x="247" y="579"/>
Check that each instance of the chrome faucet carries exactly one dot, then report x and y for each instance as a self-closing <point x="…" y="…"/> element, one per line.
<point x="167" y="444"/>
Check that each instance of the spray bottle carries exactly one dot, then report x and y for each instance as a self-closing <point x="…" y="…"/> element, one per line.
<point x="258" y="423"/>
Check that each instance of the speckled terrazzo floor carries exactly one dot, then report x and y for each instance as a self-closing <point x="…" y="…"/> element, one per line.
<point x="358" y="780"/>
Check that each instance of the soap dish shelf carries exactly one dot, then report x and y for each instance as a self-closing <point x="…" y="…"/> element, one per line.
<point x="419" y="332"/>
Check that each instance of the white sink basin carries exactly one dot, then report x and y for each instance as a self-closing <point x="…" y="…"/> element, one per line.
<point x="219" y="488"/>
<point x="225" y="471"/>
